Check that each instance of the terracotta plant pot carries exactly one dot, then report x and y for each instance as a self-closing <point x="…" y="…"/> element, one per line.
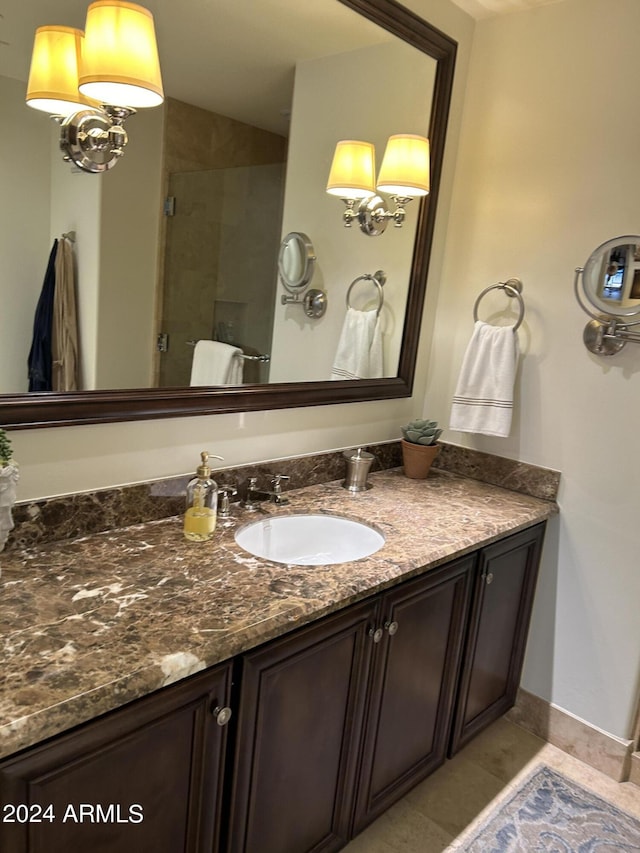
<point x="417" y="458"/>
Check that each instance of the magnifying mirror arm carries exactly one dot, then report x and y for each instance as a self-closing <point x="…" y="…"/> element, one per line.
<point x="314" y="302"/>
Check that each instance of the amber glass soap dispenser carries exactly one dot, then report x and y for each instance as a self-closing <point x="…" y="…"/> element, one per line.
<point x="202" y="503"/>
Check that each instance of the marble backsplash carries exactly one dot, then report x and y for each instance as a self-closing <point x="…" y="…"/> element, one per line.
<point x="69" y="516"/>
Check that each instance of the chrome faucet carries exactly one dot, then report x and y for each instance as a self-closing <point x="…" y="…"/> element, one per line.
<point x="274" y="494"/>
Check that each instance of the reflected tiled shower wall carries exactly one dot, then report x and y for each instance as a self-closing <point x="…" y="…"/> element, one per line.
<point x="220" y="264"/>
<point x="218" y="269"/>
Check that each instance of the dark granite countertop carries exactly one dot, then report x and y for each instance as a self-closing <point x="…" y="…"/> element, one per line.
<point x="92" y="623"/>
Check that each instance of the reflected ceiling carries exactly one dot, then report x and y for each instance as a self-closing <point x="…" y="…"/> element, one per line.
<point x="212" y="52"/>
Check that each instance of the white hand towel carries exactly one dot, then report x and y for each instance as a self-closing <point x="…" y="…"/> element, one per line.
<point x="483" y="399"/>
<point x="359" y="352"/>
<point x="215" y="363"/>
<point x="376" y="366"/>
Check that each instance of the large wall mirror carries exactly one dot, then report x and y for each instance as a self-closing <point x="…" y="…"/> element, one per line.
<point x="180" y="241"/>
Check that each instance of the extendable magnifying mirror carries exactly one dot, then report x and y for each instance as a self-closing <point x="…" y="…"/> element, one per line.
<point x="608" y="290"/>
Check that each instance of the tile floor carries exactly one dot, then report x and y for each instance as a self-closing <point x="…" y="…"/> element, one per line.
<point x="438" y="814"/>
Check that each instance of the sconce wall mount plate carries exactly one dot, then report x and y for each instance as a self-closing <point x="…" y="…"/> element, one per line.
<point x="94" y="139"/>
<point x="373" y="215"/>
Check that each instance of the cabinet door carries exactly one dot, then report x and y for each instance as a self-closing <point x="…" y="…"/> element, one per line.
<point x="145" y="778"/>
<point x="413" y="686"/>
<point x="503" y="598"/>
<point x="301" y="709"/>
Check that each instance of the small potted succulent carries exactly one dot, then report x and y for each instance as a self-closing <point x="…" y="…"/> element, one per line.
<point x="419" y="447"/>
<point x="8" y="480"/>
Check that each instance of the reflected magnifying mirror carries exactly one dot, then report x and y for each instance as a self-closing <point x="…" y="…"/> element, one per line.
<point x="296" y="263"/>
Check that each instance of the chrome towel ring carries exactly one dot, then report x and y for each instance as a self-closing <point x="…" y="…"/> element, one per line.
<point x="512" y="287"/>
<point x="378" y="278"/>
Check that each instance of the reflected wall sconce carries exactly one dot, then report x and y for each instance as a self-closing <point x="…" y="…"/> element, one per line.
<point x="404" y="174"/>
<point x="90" y="81"/>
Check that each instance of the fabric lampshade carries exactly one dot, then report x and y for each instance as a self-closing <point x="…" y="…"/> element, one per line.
<point x="405" y="166"/>
<point x="120" y="64"/>
<point x="352" y="170"/>
<point x="53" y="75"/>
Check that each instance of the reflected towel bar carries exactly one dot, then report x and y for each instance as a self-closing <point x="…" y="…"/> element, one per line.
<point x="263" y="357"/>
<point x="379" y="278"/>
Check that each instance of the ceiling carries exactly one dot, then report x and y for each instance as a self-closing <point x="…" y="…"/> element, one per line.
<point x="487" y="8"/>
<point x="235" y="57"/>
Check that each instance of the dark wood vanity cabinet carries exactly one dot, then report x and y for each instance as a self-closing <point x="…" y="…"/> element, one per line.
<point x="333" y="722"/>
<point x="301" y="708"/>
<point x="504" y="587"/>
<point x="338" y="720"/>
<point x="147" y="778"/>
<point x="412" y="687"/>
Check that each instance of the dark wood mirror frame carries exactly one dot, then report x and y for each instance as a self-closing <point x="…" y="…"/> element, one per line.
<point x="84" y="407"/>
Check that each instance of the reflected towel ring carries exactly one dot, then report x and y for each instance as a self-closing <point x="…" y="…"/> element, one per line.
<point x="378" y="278"/>
<point x="512" y="287"/>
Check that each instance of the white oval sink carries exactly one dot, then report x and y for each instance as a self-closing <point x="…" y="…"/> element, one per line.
<point x="309" y="540"/>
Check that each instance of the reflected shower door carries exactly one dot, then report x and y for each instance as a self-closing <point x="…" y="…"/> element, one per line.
<point x="220" y="265"/>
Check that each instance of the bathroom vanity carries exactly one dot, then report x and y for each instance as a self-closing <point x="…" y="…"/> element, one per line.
<point x="307" y="699"/>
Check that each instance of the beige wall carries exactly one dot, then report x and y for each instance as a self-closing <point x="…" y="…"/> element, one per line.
<point x="24" y="227"/>
<point x="402" y="104"/>
<point x="548" y="169"/>
<point x="115" y="217"/>
<point x="75" y="199"/>
<point x="130" y="214"/>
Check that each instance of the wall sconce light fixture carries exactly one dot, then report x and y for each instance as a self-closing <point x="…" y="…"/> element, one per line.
<point x="91" y="81"/>
<point x="404" y="174"/>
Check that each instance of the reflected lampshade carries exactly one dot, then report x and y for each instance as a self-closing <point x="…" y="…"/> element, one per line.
<point x="53" y="75"/>
<point x="352" y="170"/>
<point x="405" y="166"/>
<point x="120" y="64"/>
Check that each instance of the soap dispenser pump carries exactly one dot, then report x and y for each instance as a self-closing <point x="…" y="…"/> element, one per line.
<point x="202" y="502"/>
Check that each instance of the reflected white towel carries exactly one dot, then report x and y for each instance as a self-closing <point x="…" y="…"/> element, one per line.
<point x="215" y="363"/>
<point x="483" y="399"/>
<point x="359" y="352"/>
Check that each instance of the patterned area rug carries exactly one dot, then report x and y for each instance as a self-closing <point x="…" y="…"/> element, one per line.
<point x="552" y="814"/>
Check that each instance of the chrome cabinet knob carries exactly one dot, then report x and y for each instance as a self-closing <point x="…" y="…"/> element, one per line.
<point x="222" y="715"/>
<point x="376" y="634"/>
<point x="391" y="628"/>
<point x="489" y="577"/>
